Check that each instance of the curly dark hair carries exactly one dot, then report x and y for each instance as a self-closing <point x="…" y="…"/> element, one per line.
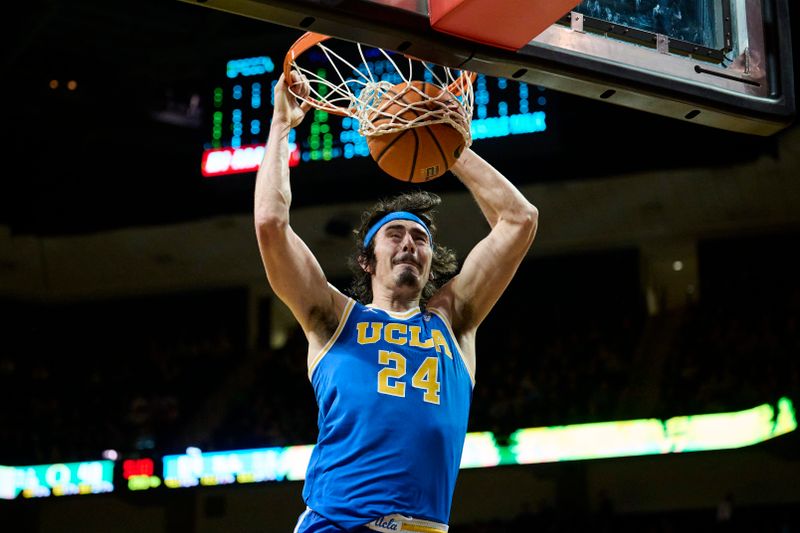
<point x="420" y="203"/>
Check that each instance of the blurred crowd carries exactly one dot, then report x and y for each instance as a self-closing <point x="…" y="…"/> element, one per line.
<point x="738" y="347"/>
<point x="79" y="379"/>
<point x="559" y="347"/>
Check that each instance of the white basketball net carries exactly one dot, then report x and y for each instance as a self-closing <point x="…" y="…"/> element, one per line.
<point x="364" y="94"/>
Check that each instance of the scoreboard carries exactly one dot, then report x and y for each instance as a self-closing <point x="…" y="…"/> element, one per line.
<point x="60" y="479"/>
<point x="242" y="109"/>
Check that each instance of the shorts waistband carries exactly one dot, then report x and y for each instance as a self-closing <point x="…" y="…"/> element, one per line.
<point x="396" y="522"/>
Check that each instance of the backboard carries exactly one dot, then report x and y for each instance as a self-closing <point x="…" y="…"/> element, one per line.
<point x="721" y="63"/>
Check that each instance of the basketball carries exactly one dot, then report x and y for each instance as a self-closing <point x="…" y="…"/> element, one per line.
<point x="416" y="154"/>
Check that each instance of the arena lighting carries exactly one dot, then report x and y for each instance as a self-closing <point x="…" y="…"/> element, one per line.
<point x="238" y="466"/>
<point x="221" y="161"/>
<point x="60" y="479"/>
<point x="483" y="128"/>
<point x="139" y="474"/>
<point x="526" y="446"/>
<point x="679" y="434"/>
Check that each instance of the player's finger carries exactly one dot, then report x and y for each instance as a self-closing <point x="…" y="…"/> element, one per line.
<point x="300" y="85"/>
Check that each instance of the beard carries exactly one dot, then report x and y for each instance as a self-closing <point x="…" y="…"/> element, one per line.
<point x="407" y="278"/>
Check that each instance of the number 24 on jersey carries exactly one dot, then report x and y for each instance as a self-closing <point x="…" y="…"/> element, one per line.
<point x="426" y="378"/>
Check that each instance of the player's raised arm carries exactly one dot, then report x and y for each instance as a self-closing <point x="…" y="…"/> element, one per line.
<point x="489" y="267"/>
<point x="292" y="270"/>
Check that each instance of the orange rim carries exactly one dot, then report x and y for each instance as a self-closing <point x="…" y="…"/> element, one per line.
<point x="310" y="39"/>
<point x="306" y="41"/>
<point x="455" y="87"/>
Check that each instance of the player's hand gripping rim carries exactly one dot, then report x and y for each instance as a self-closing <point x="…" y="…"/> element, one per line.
<point x="288" y="110"/>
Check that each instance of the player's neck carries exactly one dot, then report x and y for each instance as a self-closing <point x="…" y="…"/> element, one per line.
<point x="394" y="301"/>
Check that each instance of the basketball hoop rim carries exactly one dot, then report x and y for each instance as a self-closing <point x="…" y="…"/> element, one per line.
<point x="310" y="39"/>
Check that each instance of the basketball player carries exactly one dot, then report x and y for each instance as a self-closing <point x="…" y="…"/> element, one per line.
<point x="393" y="374"/>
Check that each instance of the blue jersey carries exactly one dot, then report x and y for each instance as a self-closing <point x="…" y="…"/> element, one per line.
<point x="394" y="393"/>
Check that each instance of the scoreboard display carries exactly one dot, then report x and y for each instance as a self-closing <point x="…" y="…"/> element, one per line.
<point x="242" y="109"/>
<point x="59" y="479"/>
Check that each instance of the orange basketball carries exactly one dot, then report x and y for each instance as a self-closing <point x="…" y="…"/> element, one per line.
<point x="415" y="154"/>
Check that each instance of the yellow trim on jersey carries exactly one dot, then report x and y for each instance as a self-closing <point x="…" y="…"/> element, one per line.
<point x="421" y="529"/>
<point x="342" y="321"/>
<point x="470" y="370"/>
<point x="401" y="316"/>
